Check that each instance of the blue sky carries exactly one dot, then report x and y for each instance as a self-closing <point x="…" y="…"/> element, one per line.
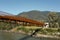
<point x="18" y="6"/>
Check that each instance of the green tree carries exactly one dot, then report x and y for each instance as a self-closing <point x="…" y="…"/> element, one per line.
<point x="53" y="20"/>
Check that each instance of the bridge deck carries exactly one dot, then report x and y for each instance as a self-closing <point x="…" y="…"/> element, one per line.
<point x="21" y="19"/>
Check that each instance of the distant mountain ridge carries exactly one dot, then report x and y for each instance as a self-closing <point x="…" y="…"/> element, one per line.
<point x="5" y="13"/>
<point x="36" y="15"/>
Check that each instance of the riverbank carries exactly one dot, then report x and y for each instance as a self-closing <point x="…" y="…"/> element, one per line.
<point x="37" y="35"/>
<point x="47" y="36"/>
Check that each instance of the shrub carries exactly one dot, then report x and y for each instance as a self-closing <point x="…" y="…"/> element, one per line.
<point x="59" y="30"/>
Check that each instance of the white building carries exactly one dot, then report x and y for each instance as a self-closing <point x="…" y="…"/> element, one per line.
<point x="46" y="25"/>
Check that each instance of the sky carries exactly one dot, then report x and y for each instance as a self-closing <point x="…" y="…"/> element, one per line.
<point x="17" y="6"/>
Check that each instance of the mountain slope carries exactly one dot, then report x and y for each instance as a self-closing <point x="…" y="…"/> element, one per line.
<point x="36" y="15"/>
<point x="5" y="13"/>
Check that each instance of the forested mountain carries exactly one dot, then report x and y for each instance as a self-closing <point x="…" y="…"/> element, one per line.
<point x="34" y="15"/>
<point x="37" y="15"/>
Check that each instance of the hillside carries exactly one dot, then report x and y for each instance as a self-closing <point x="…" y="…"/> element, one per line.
<point x="5" y="13"/>
<point x="36" y="15"/>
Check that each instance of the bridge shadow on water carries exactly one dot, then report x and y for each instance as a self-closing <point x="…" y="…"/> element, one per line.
<point x="26" y="37"/>
<point x="29" y="37"/>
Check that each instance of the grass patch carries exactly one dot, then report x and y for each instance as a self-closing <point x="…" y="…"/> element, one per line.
<point x="46" y="31"/>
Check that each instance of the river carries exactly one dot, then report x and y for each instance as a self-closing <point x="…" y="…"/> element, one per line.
<point x="18" y="36"/>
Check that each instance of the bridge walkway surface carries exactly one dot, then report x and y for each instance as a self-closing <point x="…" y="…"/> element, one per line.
<point x="20" y="20"/>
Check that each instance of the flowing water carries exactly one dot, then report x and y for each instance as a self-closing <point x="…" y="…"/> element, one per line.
<point x="18" y="36"/>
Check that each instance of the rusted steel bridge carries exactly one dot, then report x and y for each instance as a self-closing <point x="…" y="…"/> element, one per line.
<point x="20" y="20"/>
